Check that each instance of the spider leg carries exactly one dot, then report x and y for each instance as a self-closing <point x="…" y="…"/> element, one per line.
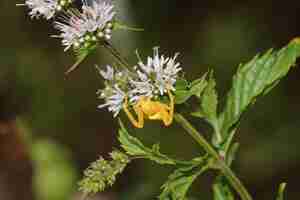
<point x="168" y="119"/>
<point x="137" y="123"/>
<point x="140" y="115"/>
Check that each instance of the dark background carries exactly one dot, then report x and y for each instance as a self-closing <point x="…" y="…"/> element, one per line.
<point x="50" y="129"/>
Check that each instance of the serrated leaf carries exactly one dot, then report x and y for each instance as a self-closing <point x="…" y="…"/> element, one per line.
<point x="208" y="108"/>
<point x="135" y="147"/>
<point x="280" y="195"/>
<point x="256" y="78"/>
<point x="181" y="84"/>
<point x="182" y="93"/>
<point x="180" y="181"/>
<point x="182" y="96"/>
<point x="209" y="100"/>
<point x="158" y="157"/>
<point x="184" y="90"/>
<point x="198" y="86"/>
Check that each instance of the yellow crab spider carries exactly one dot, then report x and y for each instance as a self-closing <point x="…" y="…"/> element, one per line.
<point x="153" y="110"/>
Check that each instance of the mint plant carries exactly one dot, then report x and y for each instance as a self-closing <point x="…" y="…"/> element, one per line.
<point x="153" y="90"/>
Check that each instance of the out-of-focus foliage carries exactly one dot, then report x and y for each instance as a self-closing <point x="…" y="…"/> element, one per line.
<point x="54" y="174"/>
<point x="281" y="191"/>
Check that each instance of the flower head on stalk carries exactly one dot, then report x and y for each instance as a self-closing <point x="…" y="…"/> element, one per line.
<point x="156" y="76"/>
<point x="45" y="8"/>
<point x="116" y="89"/>
<point x="141" y="88"/>
<point x="83" y="30"/>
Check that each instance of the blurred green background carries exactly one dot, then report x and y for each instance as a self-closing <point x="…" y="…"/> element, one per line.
<point x="50" y="128"/>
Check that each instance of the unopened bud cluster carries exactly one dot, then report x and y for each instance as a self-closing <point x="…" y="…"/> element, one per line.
<point x="92" y="38"/>
<point x="102" y="173"/>
<point x="63" y="4"/>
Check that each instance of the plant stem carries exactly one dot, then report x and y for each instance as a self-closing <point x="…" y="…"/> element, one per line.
<point x="116" y="54"/>
<point x="235" y="182"/>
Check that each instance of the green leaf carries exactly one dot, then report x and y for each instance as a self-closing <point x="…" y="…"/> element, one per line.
<point x="198" y="86"/>
<point x="208" y="108"/>
<point x="182" y="93"/>
<point x="135" y="147"/>
<point x="131" y="144"/>
<point x="184" y="90"/>
<point x="209" y="100"/>
<point x="182" y="84"/>
<point x="181" y="96"/>
<point x="180" y="181"/>
<point x="281" y="190"/>
<point x="208" y="97"/>
<point x="256" y="78"/>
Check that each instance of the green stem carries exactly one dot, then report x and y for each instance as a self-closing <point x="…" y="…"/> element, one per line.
<point x="235" y="182"/>
<point x="116" y="54"/>
<point x="124" y="27"/>
<point x="123" y="62"/>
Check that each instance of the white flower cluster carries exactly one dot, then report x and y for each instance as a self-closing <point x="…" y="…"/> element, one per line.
<point x="112" y="94"/>
<point x="45" y="8"/>
<point x="86" y="28"/>
<point x="156" y="76"/>
<point x="79" y="28"/>
<point x="152" y="79"/>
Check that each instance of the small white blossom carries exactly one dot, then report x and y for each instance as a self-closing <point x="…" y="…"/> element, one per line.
<point x="94" y="18"/>
<point x="156" y="76"/>
<point x="114" y="98"/>
<point x="45" y="8"/>
<point x="114" y="93"/>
